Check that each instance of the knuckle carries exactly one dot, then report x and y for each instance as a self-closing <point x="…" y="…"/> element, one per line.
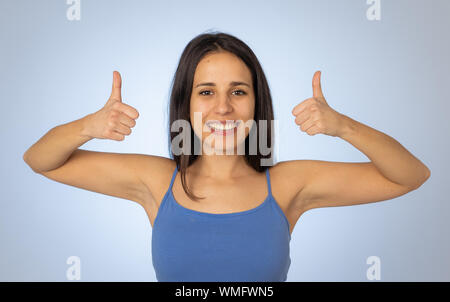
<point x="115" y="101"/>
<point x="116" y="135"/>
<point x="116" y="105"/>
<point x="111" y="123"/>
<point x="116" y="112"/>
<point x="129" y="122"/>
<point x="108" y="135"/>
<point x="113" y="115"/>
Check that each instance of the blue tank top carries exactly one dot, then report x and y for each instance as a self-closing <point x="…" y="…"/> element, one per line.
<point x="189" y="245"/>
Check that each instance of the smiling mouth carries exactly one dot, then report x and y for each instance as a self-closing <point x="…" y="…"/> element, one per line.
<point x="221" y="129"/>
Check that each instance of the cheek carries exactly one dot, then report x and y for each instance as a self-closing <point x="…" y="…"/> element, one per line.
<point x="197" y="106"/>
<point x="247" y="111"/>
<point x="249" y="107"/>
<point x="197" y="120"/>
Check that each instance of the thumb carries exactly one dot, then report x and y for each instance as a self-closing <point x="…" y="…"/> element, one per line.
<point x="116" y="87"/>
<point x="317" y="89"/>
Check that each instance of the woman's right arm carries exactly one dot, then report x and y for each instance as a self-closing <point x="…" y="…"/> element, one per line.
<point x="56" y="146"/>
<point x="57" y="156"/>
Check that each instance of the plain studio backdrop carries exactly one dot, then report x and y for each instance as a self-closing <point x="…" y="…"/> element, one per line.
<point x="386" y="66"/>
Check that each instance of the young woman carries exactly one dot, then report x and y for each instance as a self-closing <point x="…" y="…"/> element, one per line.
<point x="224" y="216"/>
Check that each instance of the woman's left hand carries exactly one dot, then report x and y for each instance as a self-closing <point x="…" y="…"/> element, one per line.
<point x="314" y="116"/>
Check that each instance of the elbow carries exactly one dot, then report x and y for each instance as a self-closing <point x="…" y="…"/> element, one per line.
<point x="423" y="180"/>
<point x="27" y="161"/>
<point x="427" y="175"/>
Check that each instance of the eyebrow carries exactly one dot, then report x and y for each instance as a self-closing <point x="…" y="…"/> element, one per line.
<point x="233" y="83"/>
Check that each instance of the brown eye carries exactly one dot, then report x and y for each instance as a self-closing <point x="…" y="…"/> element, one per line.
<point x="243" y="92"/>
<point x="201" y="93"/>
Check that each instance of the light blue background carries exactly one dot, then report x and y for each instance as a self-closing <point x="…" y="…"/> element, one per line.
<point x="391" y="74"/>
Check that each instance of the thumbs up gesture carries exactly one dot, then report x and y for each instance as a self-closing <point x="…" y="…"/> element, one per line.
<point x="314" y="116"/>
<point x="115" y="119"/>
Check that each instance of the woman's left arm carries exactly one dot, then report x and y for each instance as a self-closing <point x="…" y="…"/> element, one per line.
<point x="390" y="158"/>
<point x="393" y="170"/>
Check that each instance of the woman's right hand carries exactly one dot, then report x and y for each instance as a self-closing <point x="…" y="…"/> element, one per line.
<point x="115" y="119"/>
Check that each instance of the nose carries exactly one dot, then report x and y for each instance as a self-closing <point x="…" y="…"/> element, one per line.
<point x="223" y="106"/>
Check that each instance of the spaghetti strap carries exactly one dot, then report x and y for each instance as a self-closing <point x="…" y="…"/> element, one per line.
<point x="268" y="181"/>
<point x="173" y="177"/>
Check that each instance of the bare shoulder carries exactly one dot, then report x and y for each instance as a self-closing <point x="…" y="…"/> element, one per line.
<point x="155" y="172"/>
<point x="288" y="179"/>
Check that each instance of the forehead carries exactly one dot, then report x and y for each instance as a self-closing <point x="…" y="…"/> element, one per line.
<point x="222" y="68"/>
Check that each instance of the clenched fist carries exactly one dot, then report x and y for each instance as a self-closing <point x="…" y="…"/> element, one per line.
<point x="115" y="119"/>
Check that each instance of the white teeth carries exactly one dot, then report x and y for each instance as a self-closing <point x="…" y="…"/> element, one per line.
<point x="222" y="127"/>
<point x="219" y="126"/>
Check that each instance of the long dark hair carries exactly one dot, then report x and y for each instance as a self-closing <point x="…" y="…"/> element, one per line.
<point x="179" y="106"/>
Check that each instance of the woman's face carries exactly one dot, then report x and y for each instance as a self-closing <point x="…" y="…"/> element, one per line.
<point x="222" y="90"/>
